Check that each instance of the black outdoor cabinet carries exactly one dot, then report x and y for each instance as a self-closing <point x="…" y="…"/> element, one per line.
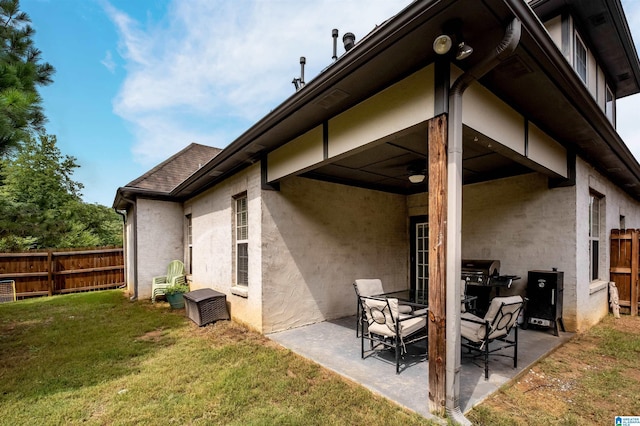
<point x="205" y="306"/>
<point x="544" y="304"/>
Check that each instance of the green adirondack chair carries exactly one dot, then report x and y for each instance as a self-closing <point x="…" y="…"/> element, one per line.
<point x="175" y="275"/>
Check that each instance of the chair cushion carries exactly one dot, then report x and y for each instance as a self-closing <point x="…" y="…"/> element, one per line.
<point x="381" y="314"/>
<point x="369" y="286"/>
<point x="421" y="311"/>
<point x="496" y="302"/>
<point x="473" y="329"/>
<point x="404" y="309"/>
<point x="503" y="320"/>
<point x="499" y="326"/>
<point x="412" y="325"/>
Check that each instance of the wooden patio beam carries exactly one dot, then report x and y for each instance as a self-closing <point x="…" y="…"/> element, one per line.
<point x="437" y="166"/>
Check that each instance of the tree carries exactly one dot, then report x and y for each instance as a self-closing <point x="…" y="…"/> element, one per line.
<point x="21" y="72"/>
<point x="41" y="205"/>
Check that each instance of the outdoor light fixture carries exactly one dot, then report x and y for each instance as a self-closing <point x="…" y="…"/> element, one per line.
<point x="416" y="171"/>
<point x="464" y="50"/>
<point x="452" y="34"/>
<point x="416" y="178"/>
<point x="442" y="44"/>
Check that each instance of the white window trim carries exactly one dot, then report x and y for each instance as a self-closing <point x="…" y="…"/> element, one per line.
<point x="592" y="238"/>
<point x="579" y="42"/>
<point x="239" y="286"/>
<point x="189" y="220"/>
<point x="611" y="114"/>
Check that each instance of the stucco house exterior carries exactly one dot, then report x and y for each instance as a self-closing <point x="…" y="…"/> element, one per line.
<point x="518" y="146"/>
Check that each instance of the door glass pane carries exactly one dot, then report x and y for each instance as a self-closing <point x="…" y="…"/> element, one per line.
<point x="422" y="261"/>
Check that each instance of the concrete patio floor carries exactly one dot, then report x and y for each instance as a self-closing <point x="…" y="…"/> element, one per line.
<point x="334" y="345"/>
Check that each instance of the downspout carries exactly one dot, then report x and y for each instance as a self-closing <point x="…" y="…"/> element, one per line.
<point x="134" y="227"/>
<point x="454" y="213"/>
<point x="123" y="213"/>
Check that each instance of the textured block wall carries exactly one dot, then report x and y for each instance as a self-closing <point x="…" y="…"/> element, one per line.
<point x="317" y="239"/>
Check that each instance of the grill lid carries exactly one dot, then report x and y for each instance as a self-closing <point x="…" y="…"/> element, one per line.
<point x="488" y="268"/>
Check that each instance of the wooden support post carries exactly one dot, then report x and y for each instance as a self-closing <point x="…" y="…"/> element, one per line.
<point x="50" y="277"/>
<point x="635" y="259"/>
<point x="437" y="162"/>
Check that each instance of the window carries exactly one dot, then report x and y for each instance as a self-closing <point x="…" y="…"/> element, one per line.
<point x="580" y="59"/>
<point x="595" y="202"/>
<point x="610" y="106"/>
<point x="189" y="245"/>
<point x="241" y="240"/>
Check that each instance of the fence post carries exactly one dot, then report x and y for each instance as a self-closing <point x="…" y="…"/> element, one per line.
<point x="635" y="258"/>
<point x="50" y="275"/>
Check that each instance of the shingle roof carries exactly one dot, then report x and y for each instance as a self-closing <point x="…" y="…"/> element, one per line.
<point x="173" y="171"/>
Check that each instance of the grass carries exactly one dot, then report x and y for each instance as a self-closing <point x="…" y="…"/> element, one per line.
<point x="587" y="381"/>
<point x="96" y="358"/>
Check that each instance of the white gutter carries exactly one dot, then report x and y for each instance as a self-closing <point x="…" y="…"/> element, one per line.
<point x="454" y="214"/>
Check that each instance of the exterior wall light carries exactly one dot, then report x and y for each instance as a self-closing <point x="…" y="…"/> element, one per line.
<point x="464" y="50"/>
<point x="452" y="34"/>
<point x="442" y="44"/>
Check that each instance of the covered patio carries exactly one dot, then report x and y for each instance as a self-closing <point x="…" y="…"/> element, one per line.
<point x="334" y="345"/>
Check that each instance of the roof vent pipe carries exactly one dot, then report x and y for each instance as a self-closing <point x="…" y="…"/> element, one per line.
<point x="334" y="34"/>
<point x="299" y="82"/>
<point x="349" y="40"/>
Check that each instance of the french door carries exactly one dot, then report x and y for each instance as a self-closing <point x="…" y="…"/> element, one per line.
<point x="419" y="258"/>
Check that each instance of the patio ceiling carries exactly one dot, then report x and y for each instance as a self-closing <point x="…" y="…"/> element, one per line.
<point x="384" y="166"/>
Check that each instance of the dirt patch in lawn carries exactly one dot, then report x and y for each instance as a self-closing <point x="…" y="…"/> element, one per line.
<point x="152" y="336"/>
<point x="589" y="380"/>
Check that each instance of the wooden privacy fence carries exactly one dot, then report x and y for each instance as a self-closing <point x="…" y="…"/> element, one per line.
<point x="625" y="262"/>
<point x="45" y="273"/>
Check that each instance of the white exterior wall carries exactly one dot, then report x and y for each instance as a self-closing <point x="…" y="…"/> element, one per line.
<point x="159" y="240"/>
<point x="592" y="297"/>
<point x="596" y="81"/>
<point x="212" y="218"/>
<point x="525" y="225"/>
<point x="317" y="239"/>
<point x="528" y="226"/>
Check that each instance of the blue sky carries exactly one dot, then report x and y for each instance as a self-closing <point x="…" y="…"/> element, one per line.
<point x="136" y="80"/>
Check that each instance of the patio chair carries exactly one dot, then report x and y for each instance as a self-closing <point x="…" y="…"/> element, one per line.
<point x="494" y="329"/>
<point x="467" y="303"/>
<point x="175" y="275"/>
<point x="387" y="328"/>
<point x="370" y="287"/>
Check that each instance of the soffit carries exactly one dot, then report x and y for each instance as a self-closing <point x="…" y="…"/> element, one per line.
<point x="603" y="24"/>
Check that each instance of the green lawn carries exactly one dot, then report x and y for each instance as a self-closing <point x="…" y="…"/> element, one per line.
<point x="588" y="381"/>
<point x="96" y="358"/>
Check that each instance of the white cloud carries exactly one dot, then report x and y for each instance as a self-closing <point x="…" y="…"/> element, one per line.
<point x="108" y="62"/>
<point x="209" y="63"/>
<point x="218" y="61"/>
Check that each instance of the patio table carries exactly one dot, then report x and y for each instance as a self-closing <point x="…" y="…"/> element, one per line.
<point x="418" y="299"/>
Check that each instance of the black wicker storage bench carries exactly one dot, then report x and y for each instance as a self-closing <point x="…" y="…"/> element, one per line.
<point x="205" y="306"/>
